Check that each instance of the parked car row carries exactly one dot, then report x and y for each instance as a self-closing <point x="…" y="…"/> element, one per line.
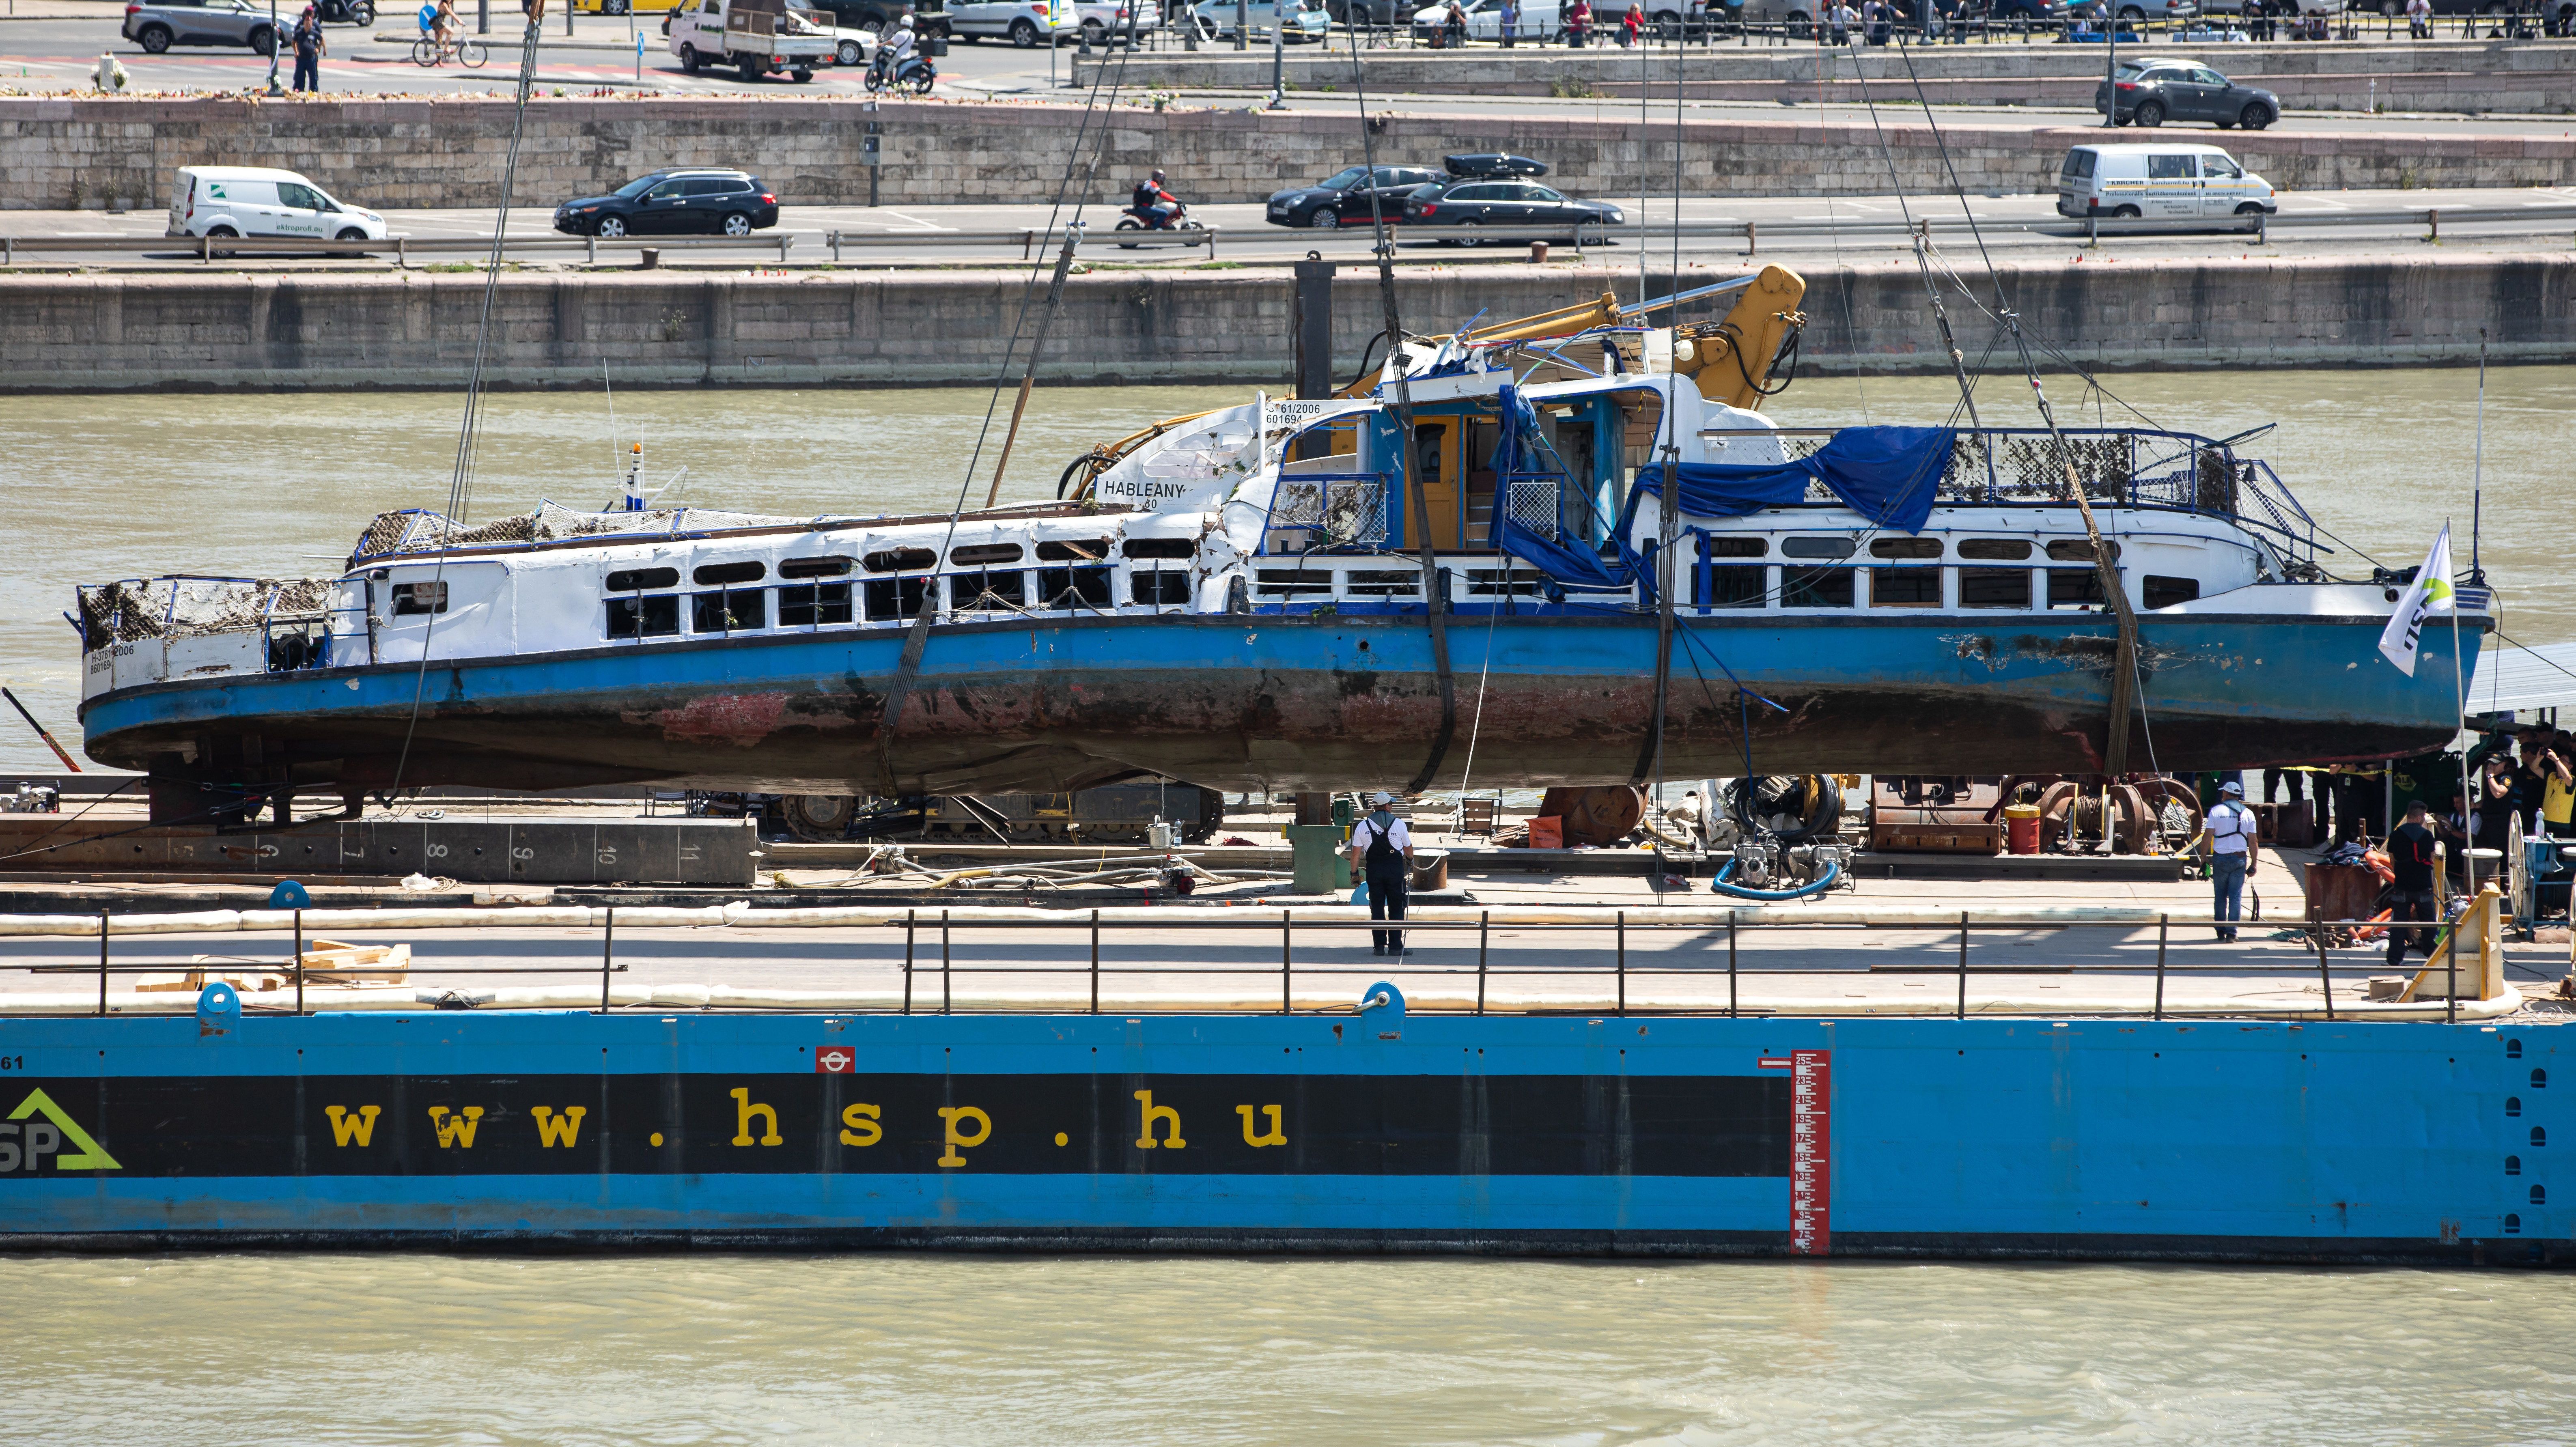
<point x="1469" y="194"/>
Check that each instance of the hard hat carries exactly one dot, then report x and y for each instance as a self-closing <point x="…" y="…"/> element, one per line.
<point x="1381" y="797"/>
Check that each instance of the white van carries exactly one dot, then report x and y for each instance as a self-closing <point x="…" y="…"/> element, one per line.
<point x="256" y="201"/>
<point x="2159" y="182"/>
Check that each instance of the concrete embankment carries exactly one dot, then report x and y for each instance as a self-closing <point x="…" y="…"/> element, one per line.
<point x="413" y="330"/>
<point x="71" y="154"/>
<point x="2452" y="76"/>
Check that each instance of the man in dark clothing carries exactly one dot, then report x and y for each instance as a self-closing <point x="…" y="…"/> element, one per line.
<point x="308" y="51"/>
<point x="2412" y="896"/>
<point x="1382" y="848"/>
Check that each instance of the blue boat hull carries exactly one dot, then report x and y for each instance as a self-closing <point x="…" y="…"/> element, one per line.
<point x="2216" y="1140"/>
<point x="1253" y="701"/>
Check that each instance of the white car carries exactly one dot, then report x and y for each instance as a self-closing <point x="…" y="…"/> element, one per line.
<point x="1295" y="19"/>
<point x="257" y="201"/>
<point x="1539" y="19"/>
<point x="1024" y="23"/>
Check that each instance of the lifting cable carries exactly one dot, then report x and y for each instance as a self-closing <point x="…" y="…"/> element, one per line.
<point x="1668" y="506"/>
<point x="2124" y="665"/>
<point x="1434" y="603"/>
<point x="916" y="639"/>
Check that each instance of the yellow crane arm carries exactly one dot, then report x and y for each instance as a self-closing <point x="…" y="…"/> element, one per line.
<point x="1730" y="361"/>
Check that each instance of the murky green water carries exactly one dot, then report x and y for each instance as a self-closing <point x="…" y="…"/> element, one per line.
<point x="100" y="487"/>
<point x="1011" y="1350"/>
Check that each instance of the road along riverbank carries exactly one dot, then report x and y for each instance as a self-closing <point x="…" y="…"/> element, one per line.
<point x="356" y="331"/>
<point x="2472" y="77"/>
<point x="108" y="152"/>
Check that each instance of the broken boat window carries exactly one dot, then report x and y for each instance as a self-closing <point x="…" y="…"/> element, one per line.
<point x="644" y="617"/>
<point x="895" y="599"/>
<point x="1073" y="587"/>
<point x="1736" y="548"/>
<point x="636" y="580"/>
<point x="1162" y="590"/>
<point x="1731" y="586"/>
<point x="1493" y="585"/>
<point x="897" y="560"/>
<point x="986" y="592"/>
<point x="1905" y="548"/>
<point x="982" y="553"/>
<point x="1073" y="550"/>
<point x="1182" y="549"/>
<point x="420" y="598"/>
<point x="1905" y="587"/>
<point x="2078" y="550"/>
<point x="2166" y="592"/>
<point x="1816" y="547"/>
<point x="2074" y="587"/>
<point x="813" y="604"/>
<point x="1994" y="587"/>
<point x="1290" y="582"/>
<point x="728" y="611"/>
<point x="1995" y="550"/>
<point x="835" y="567"/>
<point x="1815" y="587"/>
<point x="716" y="574"/>
<point x="1387" y="583"/>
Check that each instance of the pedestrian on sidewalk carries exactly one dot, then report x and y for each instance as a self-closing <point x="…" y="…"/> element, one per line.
<point x="1510" y="21"/>
<point x="1578" y="23"/>
<point x="309" y="48"/>
<point x="2231" y="830"/>
<point x="1382" y="849"/>
<point x="1846" y="19"/>
<point x="2419" y="19"/>
<point x="2411" y="895"/>
<point x="1632" y="26"/>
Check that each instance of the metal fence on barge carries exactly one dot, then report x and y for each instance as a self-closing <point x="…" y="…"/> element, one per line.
<point x="920" y="975"/>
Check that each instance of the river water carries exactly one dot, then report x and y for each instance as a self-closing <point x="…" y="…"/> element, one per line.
<point x="100" y="487"/>
<point x="1012" y="1350"/>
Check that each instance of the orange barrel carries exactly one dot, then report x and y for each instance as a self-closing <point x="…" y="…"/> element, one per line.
<point x="2021" y="828"/>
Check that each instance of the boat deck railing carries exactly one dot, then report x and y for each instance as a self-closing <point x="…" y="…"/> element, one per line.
<point x="1463" y="974"/>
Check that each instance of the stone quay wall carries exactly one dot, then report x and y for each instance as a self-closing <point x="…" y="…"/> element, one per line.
<point x="58" y="154"/>
<point x="410" y="330"/>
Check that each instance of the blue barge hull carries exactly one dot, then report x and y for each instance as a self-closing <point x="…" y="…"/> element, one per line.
<point x="2209" y="1140"/>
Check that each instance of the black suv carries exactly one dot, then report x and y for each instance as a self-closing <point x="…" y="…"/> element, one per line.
<point x="673" y="202"/>
<point x="1343" y="199"/>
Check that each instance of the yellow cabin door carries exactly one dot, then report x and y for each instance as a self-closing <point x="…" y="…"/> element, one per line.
<point x="1435" y="461"/>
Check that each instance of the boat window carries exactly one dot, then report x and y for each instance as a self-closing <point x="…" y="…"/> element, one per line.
<point x="1387" y="583"/>
<point x="1905" y="588"/>
<point x="2074" y="588"/>
<point x="1815" y="587"/>
<point x="644" y="617"/>
<point x="1816" y="547"/>
<point x="978" y="554"/>
<point x="2078" y="550"/>
<point x="1181" y="548"/>
<point x="1995" y="550"/>
<point x="2513" y="1165"/>
<point x="1073" y="587"/>
<point x="1731" y="586"/>
<point x="1486" y="584"/>
<point x="1905" y="547"/>
<point x="814" y="568"/>
<point x="636" y="580"/>
<point x="987" y="592"/>
<point x="1994" y="587"/>
<point x="1734" y="547"/>
<point x="1073" y="550"/>
<point x="729" y="610"/>
<point x="1162" y="590"/>
<point x="898" y="560"/>
<point x="894" y="599"/>
<point x="2166" y="592"/>
<point x="1289" y="583"/>
<point x="716" y="574"/>
<point x="813" y="604"/>
<point x="420" y="598"/>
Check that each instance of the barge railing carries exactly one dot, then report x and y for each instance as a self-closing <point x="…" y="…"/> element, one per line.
<point x="2476" y="929"/>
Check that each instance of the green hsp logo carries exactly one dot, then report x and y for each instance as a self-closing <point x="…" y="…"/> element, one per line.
<point x="25" y="1145"/>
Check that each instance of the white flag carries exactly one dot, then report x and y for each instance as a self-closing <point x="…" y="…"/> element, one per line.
<point x="2430" y="594"/>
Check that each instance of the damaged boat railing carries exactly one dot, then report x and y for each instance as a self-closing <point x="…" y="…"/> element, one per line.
<point x="929" y="983"/>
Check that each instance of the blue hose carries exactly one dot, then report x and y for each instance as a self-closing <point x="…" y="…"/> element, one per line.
<point x="1819" y="886"/>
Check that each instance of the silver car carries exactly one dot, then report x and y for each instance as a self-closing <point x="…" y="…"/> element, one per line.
<point x="156" y="25"/>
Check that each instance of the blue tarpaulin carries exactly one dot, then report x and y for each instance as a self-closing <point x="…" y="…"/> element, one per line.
<point x="1886" y="474"/>
<point x="1518" y="456"/>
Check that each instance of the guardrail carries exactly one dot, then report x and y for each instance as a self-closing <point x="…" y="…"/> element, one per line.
<point x="2474" y="929"/>
<point x="1032" y="239"/>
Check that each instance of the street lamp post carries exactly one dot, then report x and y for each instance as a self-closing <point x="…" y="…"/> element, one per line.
<point x="273" y="87"/>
